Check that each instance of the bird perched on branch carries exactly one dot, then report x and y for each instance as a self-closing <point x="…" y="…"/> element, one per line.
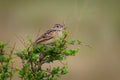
<point x="51" y="35"/>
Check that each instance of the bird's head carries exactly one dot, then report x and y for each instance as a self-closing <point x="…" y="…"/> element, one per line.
<point x="58" y="27"/>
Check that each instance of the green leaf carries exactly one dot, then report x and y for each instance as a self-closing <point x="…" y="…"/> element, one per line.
<point x="79" y="42"/>
<point x="5" y="68"/>
<point x="0" y="70"/>
<point x="2" y="45"/>
<point x="21" y="73"/>
<point x="39" y="49"/>
<point x="8" y="74"/>
<point x="7" y="59"/>
<point x="69" y="52"/>
<point x="41" y="74"/>
<point x="2" y="58"/>
<point x="64" y="70"/>
<point x="49" y="48"/>
<point x="51" y="78"/>
<point x="34" y="57"/>
<point x="59" y="57"/>
<point x="55" y="70"/>
<point x="71" y="42"/>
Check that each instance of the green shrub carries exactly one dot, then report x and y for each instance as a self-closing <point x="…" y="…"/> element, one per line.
<point x="34" y="57"/>
<point x="6" y="63"/>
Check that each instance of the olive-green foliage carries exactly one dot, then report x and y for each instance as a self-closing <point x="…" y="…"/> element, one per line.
<point x="6" y="71"/>
<point x="34" y="57"/>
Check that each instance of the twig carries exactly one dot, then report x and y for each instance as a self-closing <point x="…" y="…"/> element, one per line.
<point x="12" y="62"/>
<point x="23" y="42"/>
<point x="37" y="34"/>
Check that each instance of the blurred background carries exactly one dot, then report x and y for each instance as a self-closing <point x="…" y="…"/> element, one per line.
<point x="95" y="22"/>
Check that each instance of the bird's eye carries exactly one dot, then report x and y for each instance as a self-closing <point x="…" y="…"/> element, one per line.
<point x="57" y="26"/>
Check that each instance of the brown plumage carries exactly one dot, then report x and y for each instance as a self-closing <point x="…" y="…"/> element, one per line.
<point x="49" y="36"/>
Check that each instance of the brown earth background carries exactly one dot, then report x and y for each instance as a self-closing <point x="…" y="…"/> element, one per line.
<point x="95" y="22"/>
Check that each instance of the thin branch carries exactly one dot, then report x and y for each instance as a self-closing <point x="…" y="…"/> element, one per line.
<point x="22" y="41"/>
<point x="37" y="34"/>
<point x="85" y="44"/>
<point x="12" y="62"/>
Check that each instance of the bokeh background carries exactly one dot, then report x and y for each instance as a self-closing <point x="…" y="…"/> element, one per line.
<point x="95" y="22"/>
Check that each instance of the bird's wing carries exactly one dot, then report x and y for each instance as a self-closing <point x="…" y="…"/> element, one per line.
<point x="46" y="36"/>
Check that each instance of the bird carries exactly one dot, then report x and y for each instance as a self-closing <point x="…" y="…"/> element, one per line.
<point x="50" y="35"/>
